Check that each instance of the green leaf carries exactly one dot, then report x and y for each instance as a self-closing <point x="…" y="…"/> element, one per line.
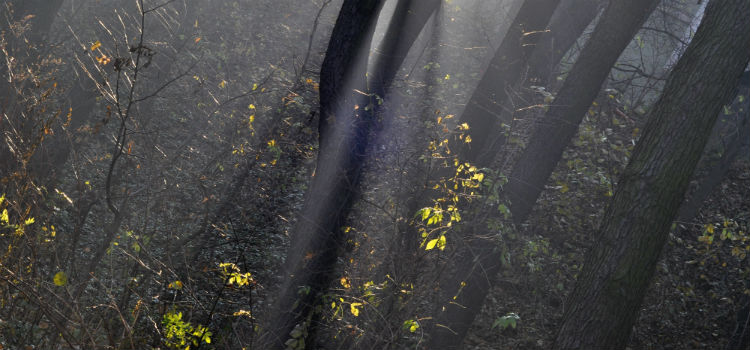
<point x="509" y="320"/>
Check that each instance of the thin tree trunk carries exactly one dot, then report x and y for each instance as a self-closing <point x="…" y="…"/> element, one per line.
<point x="717" y="169"/>
<point x="407" y="22"/>
<point x="344" y="129"/>
<point x="484" y="108"/>
<point x="567" y="24"/>
<point x="604" y="304"/>
<point x="619" y="23"/>
<point x="484" y="114"/>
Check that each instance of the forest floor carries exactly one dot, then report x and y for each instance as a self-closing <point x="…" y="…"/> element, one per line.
<point x="692" y="302"/>
<point x="699" y="286"/>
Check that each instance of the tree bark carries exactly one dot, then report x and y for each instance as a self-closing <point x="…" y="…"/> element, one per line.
<point x="343" y="133"/>
<point x="603" y="306"/>
<point x="484" y="108"/>
<point x="619" y="23"/>
<point x="486" y="113"/>
<point x="567" y="24"/>
<point x="718" y="169"/>
<point x="407" y="22"/>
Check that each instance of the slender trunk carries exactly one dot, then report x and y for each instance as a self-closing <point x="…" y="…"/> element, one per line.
<point x="718" y="169"/>
<point x="619" y="23"/>
<point x="567" y="24"/>
<point x="484" y="108"/>
<point x="407" y="22"/>
<point x="344" y="129"/>
<point x="484" y="113"/>
<point x="604" y="304"/>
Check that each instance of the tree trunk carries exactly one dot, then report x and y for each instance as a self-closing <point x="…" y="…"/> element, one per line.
<point x="484" y="108"/>
<point x="603" y="306"/>
<point x="718" y="169"/>
<point x="619" y="23"/>
<point x="567" y="24"/>
<point x="344" y="130"/>
<point x="407" y="22"/>
<point x="483" y="113"/>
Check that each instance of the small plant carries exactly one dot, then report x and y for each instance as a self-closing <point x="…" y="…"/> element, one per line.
<point x="181" y="334"/>
<point x="509" y="320"/>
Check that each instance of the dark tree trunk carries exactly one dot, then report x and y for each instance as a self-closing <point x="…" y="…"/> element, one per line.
<point x="603" y="306"/>
<point x="484" y="113"/>
<point x="567" y="24"/>
<point x="484" y="108"/>
<point x="345" y="63"/>
<point x="718" y="169"/>
<point x="740" y="339"/>
<point x="619" y="23"/>
<point x="344" y="130"/>
<point x="407" y="22"/>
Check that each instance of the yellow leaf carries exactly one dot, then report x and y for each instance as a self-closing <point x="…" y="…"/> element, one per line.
<point x="345" y="282"/>
<point x="28" y="221"/>
<point x="441" y="242"/>
<point x="223" y="84"/>
<point x="431" y="244"/>
<point x="4" y="217"/>
<point x="353" y="309"/>
<point x="255" y="87"/>
<point x="176" y="285"/>
<point x="60" y="279"/>
<point x="251" y="106"/>
<point x="242" y="313"/>
<point x="96" y="45"/>
<point x="710" y="228"/>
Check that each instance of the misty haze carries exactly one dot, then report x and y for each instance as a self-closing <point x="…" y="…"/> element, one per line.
<point x="372" y="174"/>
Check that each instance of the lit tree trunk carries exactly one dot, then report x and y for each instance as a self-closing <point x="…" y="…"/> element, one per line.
<point x="483" y="115"/>
<point x="343" y="132"/>
<point x="619" y="23"/>
<point x="407" y="22"/>
<point x="603" y="306"/>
